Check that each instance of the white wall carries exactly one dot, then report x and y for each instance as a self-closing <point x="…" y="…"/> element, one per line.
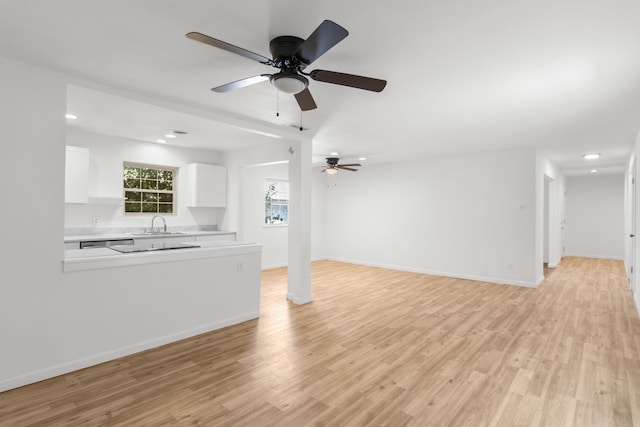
<point x="633" y="213"/>
<point x="595" y="216"/>
<point x="274" y="239"/>
<point x="318" y="213"/>
<point x="107" y="154"/>
<point x="297" y="152"/>
<point x="470" y="216"/>
<point x="53" y="322"/>
<point x="33" y="103"/>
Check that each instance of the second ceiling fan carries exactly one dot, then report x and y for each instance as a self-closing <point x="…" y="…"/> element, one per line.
<point x="333" y="164"/>
<point x="291" y="55"/>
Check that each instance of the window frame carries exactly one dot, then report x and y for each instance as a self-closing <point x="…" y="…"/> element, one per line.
<point x="174" y="191"/>
<point x="264" y="188"/>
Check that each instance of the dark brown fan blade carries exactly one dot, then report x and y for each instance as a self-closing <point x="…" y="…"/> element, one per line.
<point x="350" y="164"/>
<point x="228" y="47"/>
<point x="327" y="35"/>
<point x="241" y="83"/>
<point x="305" y="100"/>
<point x="358" y="82"/>
<point x="347" y="169"/>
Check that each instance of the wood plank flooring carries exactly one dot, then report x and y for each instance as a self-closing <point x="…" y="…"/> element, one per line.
<point x="379" y="347"/>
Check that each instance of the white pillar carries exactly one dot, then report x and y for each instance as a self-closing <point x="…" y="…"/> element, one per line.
<point x="299" y="274"/>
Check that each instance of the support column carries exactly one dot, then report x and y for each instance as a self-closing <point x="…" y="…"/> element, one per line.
<point x="299" y="258"/>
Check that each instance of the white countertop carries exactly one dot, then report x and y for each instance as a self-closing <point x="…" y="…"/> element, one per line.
<point x="118" y="236"/>
<point x="95" y="258"/>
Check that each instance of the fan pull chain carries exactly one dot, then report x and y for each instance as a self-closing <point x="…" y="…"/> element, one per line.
<point x="277" y="103"/>
<point x="301" y="121"/>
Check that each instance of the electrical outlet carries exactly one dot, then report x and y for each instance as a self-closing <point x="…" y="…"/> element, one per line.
<point x="95" y="220"/>
<point x="510" y="267"/>
<point x="239" y="266"/>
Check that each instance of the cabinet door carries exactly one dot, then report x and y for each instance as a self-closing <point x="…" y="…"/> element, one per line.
<point x="76" y="177"/>
<point x="164" y="239"/>
<point x="209" y="237"/>
<point x="207" y="185"/>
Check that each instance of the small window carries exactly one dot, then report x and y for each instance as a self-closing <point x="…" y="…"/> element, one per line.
<point x="149" y="189"/>
<point x="276" y="202"/>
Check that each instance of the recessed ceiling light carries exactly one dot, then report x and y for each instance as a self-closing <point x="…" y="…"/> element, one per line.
<point x="333" y="153"/>
<point x="594" y="171"/>
<point x="592" y="156"/>
<point x="170" y="135"/>
<point x="71" y="116"/>
<point x="362" y="158"/>
<point x="161" y="141"/>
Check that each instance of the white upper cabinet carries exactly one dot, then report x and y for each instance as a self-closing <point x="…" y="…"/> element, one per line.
<point x="76" y="178"/>
<point x="207" y="185"/>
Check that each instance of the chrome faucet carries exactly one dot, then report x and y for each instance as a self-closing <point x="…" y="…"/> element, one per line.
<point x="163" y="222"/>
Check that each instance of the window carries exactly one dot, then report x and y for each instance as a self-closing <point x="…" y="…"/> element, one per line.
<point x="149" y="189"/>
<point x="276" y="201"/>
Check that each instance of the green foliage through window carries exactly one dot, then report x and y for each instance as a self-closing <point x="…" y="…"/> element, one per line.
<point x="148" y="189"/>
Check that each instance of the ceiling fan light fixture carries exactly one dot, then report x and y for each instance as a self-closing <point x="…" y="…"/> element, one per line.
<point x="289" y="82"/>
<point x="332" y="171"/>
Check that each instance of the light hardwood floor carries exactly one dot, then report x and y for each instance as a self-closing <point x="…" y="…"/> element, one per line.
<point x="379" y="347"/>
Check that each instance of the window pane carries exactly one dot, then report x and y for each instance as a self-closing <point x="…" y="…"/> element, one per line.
<point x="165" y="175"/>
<point x="149" y="184"/>
<point x="131" y="173"/>
<point x="132" y="207"/>
<point x="166" y="197"/>
<point x="149" y="197"/>
<point x="148" y="173"/>
<point x="132" y="196"/>
<point x="165" y="208"/>
<point x="165" y="185"/>
<point x="149" y="207"/>
<point x="131" y="183"/>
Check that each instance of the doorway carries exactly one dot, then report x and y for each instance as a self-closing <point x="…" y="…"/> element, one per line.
<point x="546" y="229"/>
<point x="632" y="240"/>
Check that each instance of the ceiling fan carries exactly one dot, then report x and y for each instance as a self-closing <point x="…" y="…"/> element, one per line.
<point x="291" y="55"/>
<point x="333" y="166"/>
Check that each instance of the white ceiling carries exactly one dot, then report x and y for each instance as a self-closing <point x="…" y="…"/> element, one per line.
<point x="463" y="76"/>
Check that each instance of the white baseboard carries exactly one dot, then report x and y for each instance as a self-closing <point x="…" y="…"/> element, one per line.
<point x="616" y="258"/>
<point x="285" y="264"/>
<point x="297" y="300"/>
<point x="554" y="264"/>
<point x="270" y="266"/>
<point x="502" y="281"/>
<point x="96" y="359"/>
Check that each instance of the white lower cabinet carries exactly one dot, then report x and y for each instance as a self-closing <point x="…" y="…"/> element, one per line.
<point x="164" y="239"/>
<point x="209" y="237"/>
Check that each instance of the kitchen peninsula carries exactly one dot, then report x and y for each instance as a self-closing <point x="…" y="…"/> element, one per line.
<point x="135" y="301"/>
